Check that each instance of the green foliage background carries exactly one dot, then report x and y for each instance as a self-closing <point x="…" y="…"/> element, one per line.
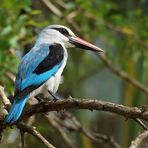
<point x="118" y="27"/>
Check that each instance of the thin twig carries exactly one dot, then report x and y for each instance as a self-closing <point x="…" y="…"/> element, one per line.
<point x="52" y="119"/>
<point x="60" y="3"/>
<point x="4" y="98"/>
<point x="92" y="136"/>
<point x="11" y="76"/>
<point x="108" y="139"/>
<point x="139" y="139"/>
<point x="52" y="8"/>
<point x="35" y="133"/>
<point x="141" y="124"/>
<point x="123" y="74"/>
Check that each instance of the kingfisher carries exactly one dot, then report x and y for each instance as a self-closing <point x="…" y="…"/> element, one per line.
<point x="40" y="70"/>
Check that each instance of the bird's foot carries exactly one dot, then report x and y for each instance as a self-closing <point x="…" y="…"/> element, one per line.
<point x="54" y="97"/>
<point x="39" y="98"/>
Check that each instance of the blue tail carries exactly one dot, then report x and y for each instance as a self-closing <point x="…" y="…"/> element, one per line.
<point x="15" y="110"/>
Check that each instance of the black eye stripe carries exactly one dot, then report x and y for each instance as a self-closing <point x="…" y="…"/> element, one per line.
<point x="63" y="31"/>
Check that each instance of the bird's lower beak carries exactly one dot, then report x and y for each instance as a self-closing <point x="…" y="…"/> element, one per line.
<point x="80" y="43"/>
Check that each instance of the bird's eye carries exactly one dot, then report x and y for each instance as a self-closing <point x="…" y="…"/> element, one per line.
<point x="64" y="31"/>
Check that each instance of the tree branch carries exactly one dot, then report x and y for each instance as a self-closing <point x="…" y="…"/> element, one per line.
<point x="21" y="126"/>
<point x="96" y="137"/>
<point x="74" y="103"/>
<point x="141" y="124"/>
<point x="123" y="74"/>
<point x="35" y="133"/>
<point x="128" y="112"/>
<point x="52" y="8"/>
<point x="52" y="119"/>
<point x="139" y="139"/>
<point x="4" y="98"/>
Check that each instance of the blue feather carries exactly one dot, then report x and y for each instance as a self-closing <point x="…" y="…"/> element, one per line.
<point x="16" y="110"/>
<point x="29" y="63"/>
<point x="35" y="79"/>
<point x="26" y="77"/>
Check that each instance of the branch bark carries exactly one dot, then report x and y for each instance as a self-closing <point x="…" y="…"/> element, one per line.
<point x="96" y="137"/>
<point x="75" y="103"/>
<point x="4" y="98"/>
<point x="139" y="139"/>
<point x="35" y="133"/>
<point x="51" y="118"/>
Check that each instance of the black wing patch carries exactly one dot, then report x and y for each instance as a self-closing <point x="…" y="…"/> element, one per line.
<point x="55" y="56"/>
<point x="26" y="91"/>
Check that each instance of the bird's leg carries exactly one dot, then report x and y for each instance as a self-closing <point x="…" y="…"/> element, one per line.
<point x="39" y="99"/>
<point x="62" y="111"/>
<point x="53" y="95"/>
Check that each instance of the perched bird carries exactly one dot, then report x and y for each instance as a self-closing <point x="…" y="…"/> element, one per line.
<point x="41" y="68"/>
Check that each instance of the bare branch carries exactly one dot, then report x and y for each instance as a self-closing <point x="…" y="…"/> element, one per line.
<point x="128" y="112"/>
<point x="139" y="140"/>
<point x="35" y="133"/>
<point x="23" y="128"/>
<point x="123" y="74"/>
<point x="92" y="136"/>
<point x="4" y="98"/>
<point x="106" y="138"/>
<point x="52" y="119"/>
<point x="141" y="124"/>
<point x="11" y="76"/>
<point x="52" y="8"/>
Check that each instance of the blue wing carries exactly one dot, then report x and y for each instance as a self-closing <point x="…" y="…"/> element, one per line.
<point x="37" y="66"/>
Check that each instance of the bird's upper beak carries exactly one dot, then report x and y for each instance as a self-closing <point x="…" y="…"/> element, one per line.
<point x="80" y="43"/>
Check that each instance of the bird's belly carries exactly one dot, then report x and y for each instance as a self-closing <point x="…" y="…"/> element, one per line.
<point x="50" y="85"/>
<point x="53" y="83"/>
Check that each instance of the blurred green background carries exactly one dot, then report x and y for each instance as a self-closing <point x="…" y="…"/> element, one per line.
<point x="119" y="27"/>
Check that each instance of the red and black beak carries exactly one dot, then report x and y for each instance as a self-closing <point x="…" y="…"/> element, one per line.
<point x="80" y="43"/>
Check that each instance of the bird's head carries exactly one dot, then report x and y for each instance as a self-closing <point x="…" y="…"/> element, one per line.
<point x="63" y="35"/>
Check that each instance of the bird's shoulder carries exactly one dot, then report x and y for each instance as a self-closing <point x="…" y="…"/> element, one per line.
<point x="39" y="65"/>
